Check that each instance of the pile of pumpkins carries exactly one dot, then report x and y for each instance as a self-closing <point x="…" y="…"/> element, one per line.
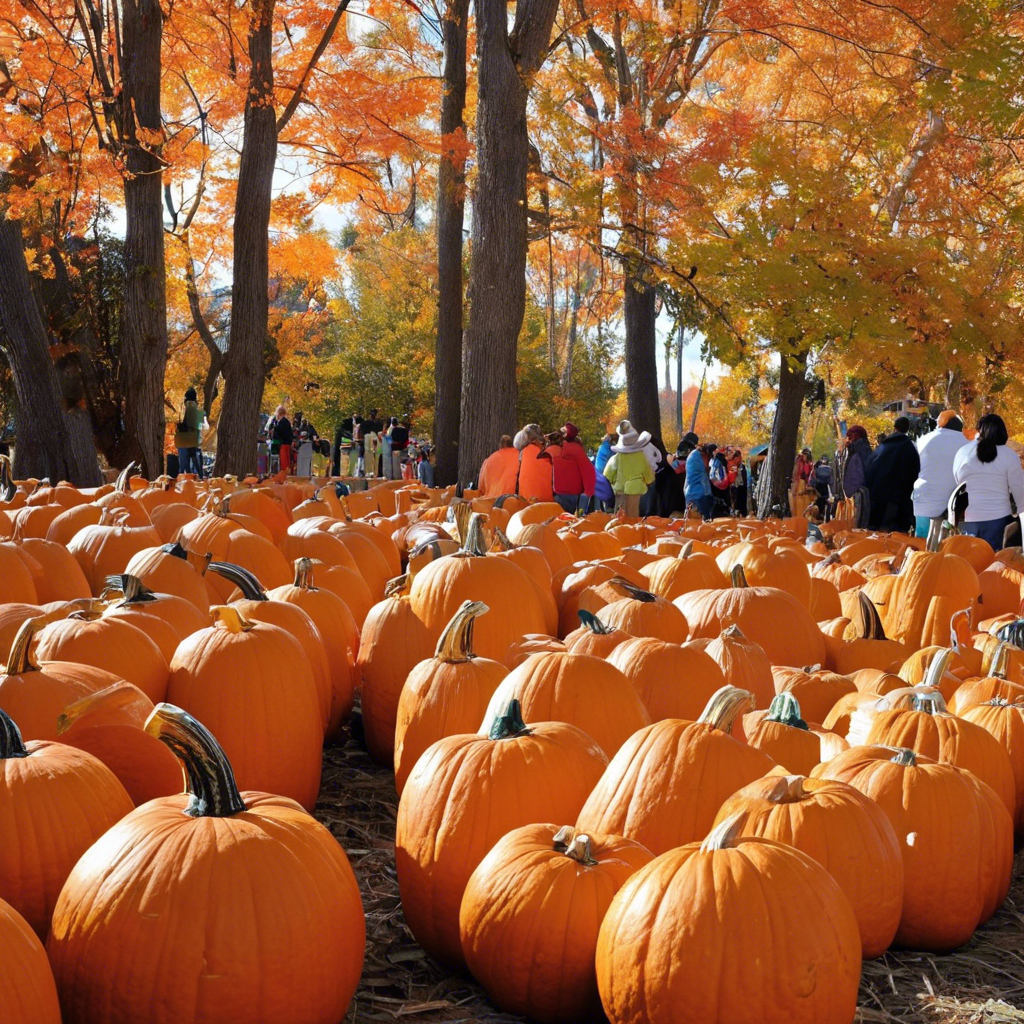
<point x="667" y="770"/>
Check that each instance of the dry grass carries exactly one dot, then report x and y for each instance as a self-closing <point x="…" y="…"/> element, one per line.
<point x="983" y="983"/>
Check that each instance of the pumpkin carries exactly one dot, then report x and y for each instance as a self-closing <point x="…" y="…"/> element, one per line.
<point x="139" y="602"/>
<point x="975" y="551"/>
<point x="464" y="794"/>
<point x="673" y="680"/>
<point x="538" y="571"/>
<point x="868" y="647"/>
<point x="816" y="689"/>
<point x="531" y="913"/>
<point x="757" y="611"/>
<point x="30" y="995"/>
<point x="212" y="899"/>
<point x="88" y="637"/>
<point x="686" y="926"/>
<point x="841" y="574"/>
<point x="1005" y="722"/>
<point x="641" y="613"/>
<point x="444" y="695"/>
<point x="575" y="589"/>
<point x="688" y="571"/>
<point x="594" y="636"/>
<point x="59" y="576"/>
<point x="785" y="737"/>
<point x="935" y="811"/>
<point x="55" y="802"/>
<point x="252" y="685"/>
<point x="338" y="632"/>
<point x="743" y="663"/>
<point x="995" y="684"/>
<point x="393" y="642"/>
<point x="665" y="785"/>
<point x="349" y="529"/>
<point x="170" y="569"/>
<point x="764" y="566"/>
<point x="823" y="602"/>
<point x="265" y="507"/>
<point x="106" y="548"/>
<point x="528" y="645"/>
<point x="17" y="585"/>
<point x="838" y="719"/>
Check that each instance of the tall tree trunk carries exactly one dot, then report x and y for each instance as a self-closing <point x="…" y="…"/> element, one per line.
<point x="451" y="202"/>
<point x="641" y="361"/>
<point x="777" y="472"/>
<point x="570" y="341"/>
<point x="679" y="382"/>
<point x="50" y="443"/>
<point x="244" y="373"/>
<point x="506" y="64"/>
<point x="144" y="327"/>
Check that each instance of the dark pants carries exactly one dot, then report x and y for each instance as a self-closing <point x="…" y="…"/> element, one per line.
<point x="991" y="530"/>
<point x="190" y="460"/>
<point x="570" y="502"/>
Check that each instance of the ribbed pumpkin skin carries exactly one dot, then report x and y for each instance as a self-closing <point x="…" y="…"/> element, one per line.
<point x="681" y="945"/>
<point x="29" y="993"/>
<point x="845" y="832"/>
<point x="579" y="689"/>
<point x="1005" y="722"/>
<point x="54" y="804"/>
<point x="16" y="583"/>
<point x="103" y="550"/>
<point x="817" y="692"/>
<point x="659" y="618"/>
<point x="166" y="573"/>
<point x="790" y="747"/>
<point x="929" y="588"/>
<point x="62" y="578"/>
<point x="673" y="680"/>
<point x="171" y="919"/>
<point x="934" y="811"/>
<point x="744" y="664"/>
<point x="463" y="795"/>
<point x="665" y="785"/>
<point x="530" y="918"/>
<point x="769" y="567"/>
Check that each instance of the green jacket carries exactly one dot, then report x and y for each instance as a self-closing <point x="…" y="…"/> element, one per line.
<point x="192" y="417"/>
<point x="629" y="473"/>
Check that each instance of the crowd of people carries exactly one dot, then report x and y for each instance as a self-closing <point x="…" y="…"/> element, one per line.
<point x="630" y="470"/>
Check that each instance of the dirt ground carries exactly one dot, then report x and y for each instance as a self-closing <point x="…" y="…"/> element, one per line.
<point x="983" y="983"/>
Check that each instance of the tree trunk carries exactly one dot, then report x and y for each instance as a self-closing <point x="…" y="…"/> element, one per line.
<point x="244" y="367"/>
<point x="679" y="382"/>
<point x="777" y="472"/>
<point x="641" y="361"/>
<point x="50" y="443"/>
<point x="144" y="328"/>
<point x="570" y="341"/>
<point x="497" y="283"/>
<point x="451" y="203"/>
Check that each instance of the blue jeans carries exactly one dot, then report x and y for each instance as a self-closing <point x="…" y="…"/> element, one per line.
<point x="989" y="529"/>
<point x="190" y="461"/>
<point x="570" y="502"/>
<point x="703" y="505"/>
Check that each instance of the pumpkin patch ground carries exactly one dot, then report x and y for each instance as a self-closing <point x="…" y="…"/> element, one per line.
<point x="981" y="983"/>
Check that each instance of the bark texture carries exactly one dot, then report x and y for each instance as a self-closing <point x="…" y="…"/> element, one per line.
<point x="50" y="442"/>
<point x="451" y="202"/>
<point x="144" y="328"/>
<point x="250" y="306"/>
<point x="506" y="63"/>
<point x="641" y="360"/>
<point x="777" y="473"/>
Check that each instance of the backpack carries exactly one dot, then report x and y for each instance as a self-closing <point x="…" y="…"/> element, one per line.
<point x="719" y="473"/>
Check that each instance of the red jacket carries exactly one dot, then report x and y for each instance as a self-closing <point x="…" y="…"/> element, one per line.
<point x="572" y="471"/>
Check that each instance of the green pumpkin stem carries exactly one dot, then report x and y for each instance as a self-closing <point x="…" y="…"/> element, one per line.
<point x="635" y="592"/>
<point x="510" y="724"/>
<point x="247" y="583"/>
<point x="593" y="623"/>
<point x="209" y="779"/>
<point x="456" y="643"/>
<point x="904" y="756"/>
<point x="11" y="743"/>
<point x="725" y="706"/>
<point x="738" y="577"/>
<point x="785" y="709"/>
<point x="869" y="621"/>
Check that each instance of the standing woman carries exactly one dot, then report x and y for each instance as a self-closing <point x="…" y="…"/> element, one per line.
<point x="186" y="437"/>
<point x="993" y="474"/>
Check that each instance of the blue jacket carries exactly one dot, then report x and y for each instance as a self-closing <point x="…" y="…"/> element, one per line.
<point x="698" y="483"/>
<point x="604" y="453"/>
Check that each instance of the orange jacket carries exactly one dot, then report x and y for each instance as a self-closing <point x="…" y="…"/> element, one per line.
<point x="534" y="474"/>
<point x="499" y="472"/>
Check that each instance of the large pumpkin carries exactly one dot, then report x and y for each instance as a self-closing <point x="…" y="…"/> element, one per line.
<point x="531" y="914"/>
<point x="817" y="690"/>
<point x="216" y="902"/>
<point x="106" y="548"/>
<point x="464" y="794"/>
<point x="594" y="636"/>
<point x="1005" y="722"/>
<point x="743" y="663"/>
<point x="444" y="695"/>
<point x="682" y="944"/>
<point x="252" y="684"/>
<point x="765" y="566"/>
<point x="641" y="613"/>
<point x="665" y="785"/>
<point x="690" y="570"/>
<point x="845" y="832"/>
<point x="55" y="802"/>
<point x="170" y="569"/>
<point x="29" y="993"/>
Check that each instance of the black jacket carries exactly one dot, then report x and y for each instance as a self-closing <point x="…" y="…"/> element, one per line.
<point x="281" y="430"/>
<point x="890" y="476"/>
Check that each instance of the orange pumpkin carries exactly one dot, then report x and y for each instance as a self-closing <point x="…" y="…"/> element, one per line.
<point x="816" y="690"/>
<point x="641" y="613"/>
<point x="105" y="549"/>
<point x="785" y="737"/>
<point x="743" y="663"/>
<point x="30" y="995"/>
<point x="765" y="566"/>
<point x="171" y="569"/>
<point x="594" y="637"/>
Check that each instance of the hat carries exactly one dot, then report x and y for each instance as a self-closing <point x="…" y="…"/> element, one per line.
<point x="946" y="415"/>
<point x="856" y="432"/>
<point x="691" y="439"/>
<point x="570" y="431"/>
<point x="530" y="433"/>
<point x="629" y="439"/>
<point x="805" y="451"/>
<point x="190" y="395"/>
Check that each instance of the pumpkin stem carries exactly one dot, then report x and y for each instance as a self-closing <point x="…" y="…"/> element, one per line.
<point x="937" y="668"/>
<point x="456" y="643"/>
<point x="1012" y="633"/>
<point x="345" y="508"/>
<point x="509" y="724"/>
<point x="398" y="586"/>
<point x="7" y="488"/>
<point x="931" y="703"/>
<point x="88" y="609"/>
<point x="473" y="540"/>
<point x="132" y="589"/>
<point x="20" y="660"/>
<point x="732" y="632"/>
<point x="304" y="573"/>
<point x="633" y="590"/>
<point x="724" y="835"/>
<point x="123" y="478"/>
<point x="122" y="695"/>
<point x="869" y="622"/>
<point x="501" y="541"/>
<point x="904" y="756"/>
<point x="785" y="709"/>
<point x="788" y="789"/>
<point x="247" y="583"/>
<point x="232" y="618"/>
<point x="1000" y="664"/>
<point x="725" y="706"/>
<point x="563" y="837"/>
<point x="209" y="779"/>
<point x="11" y="743"/>
<point x="738" y="577"/>
<point x="960" y="620"/>
<point x="580" y="850"/>
<point x="593" y="623"/>
<point x="685" y="551"/>
<point x="461" y="513"/>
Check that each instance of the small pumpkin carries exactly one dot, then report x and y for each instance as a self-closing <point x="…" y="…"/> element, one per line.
<point x="744" y="664"/>
<point x="594" y="636"/>
<point x="816" y="689"/>
<point x="785" y="737"/>
<point x="641" y="613"/>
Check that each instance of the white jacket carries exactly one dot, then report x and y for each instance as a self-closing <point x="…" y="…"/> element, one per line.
<point x="935" y="483"/>
<point x="990" y="485"/>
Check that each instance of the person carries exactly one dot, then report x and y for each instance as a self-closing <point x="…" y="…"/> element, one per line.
<point x="281" y="437"/>
<point x="801" y="491"/>
<point x="534" y="472"/>
<point x="666" y="496"/>
<point x="342" y="441"/>
<point x="372" y="429"/>
<point x="721" y="475"/>
<point x="856" y="455"/>
<point x="738" y="494"/>
<point x="500" y="470"/>
<point x="424" y="467"/>
<point x="628" y="470"/>
<point x="698" y="480"/>
<point x="355" y="455"/>
<point x="187" y="436"/>
<point x="890" y="477"/>
<point x="604" y="496"/>
<point x="935" y="483"/>
<point x="573" y="474"/>
<point x="992" y="472"/>
<point x="822" y="485"/>
<point x="399" y="434"/>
